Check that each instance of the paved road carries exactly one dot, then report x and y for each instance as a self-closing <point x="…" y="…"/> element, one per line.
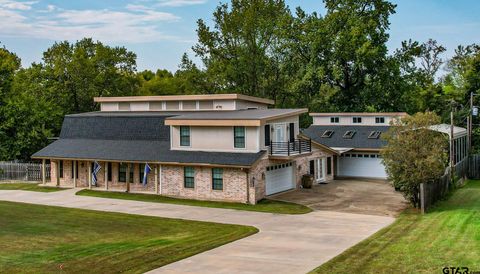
<point x="285" y="243"/>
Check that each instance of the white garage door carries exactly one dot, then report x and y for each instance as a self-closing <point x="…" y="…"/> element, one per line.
<point x="279" y="178"/>
<point x="361" y="165"/>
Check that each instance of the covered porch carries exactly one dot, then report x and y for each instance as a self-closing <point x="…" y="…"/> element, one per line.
<point x="112" y="175"/>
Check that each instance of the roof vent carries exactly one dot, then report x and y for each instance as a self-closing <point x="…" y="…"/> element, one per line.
<point x="374" y="135"/>
<point x="349" y="134"/>
<point x="327" y="134"/>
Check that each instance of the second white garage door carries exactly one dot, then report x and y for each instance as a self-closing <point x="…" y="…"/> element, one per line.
<point x="279" y="178"/>
<point x="361" y="165"/>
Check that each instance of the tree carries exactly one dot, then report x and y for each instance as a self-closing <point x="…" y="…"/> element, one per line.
<point x="414" y="154"/>
<point x="9" y="64"/>
<point x="87" y="69"/>
<point x="239" y="52"/>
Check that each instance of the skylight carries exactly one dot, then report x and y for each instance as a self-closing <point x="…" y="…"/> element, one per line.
<point x="327" y="134"/>
<point x="374" y="135"/>
<point x="349" y="134"/>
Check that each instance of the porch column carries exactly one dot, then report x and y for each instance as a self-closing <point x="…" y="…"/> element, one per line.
<point x="128" y="178"/>
<point x="44" y="173"/>
<point x="57" y="175"/>
<point x="156" y="179"/>
<point x="161" y="178"/>
<point x="89" y="175"/>
<point x="74" y="163"/>
<point x="106" y="175"/>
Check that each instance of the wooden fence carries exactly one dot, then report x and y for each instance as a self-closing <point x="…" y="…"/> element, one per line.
<point x="474" y="168"/>
<point x="432" y="192"/>
<point x="12" y="171"/>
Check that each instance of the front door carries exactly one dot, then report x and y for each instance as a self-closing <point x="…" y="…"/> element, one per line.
<point x="280" y="132"/>
<point x="320" y="169"/>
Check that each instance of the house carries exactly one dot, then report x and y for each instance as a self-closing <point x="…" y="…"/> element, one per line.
<point x="226" y="147"/>
<point x="356" y="137"/>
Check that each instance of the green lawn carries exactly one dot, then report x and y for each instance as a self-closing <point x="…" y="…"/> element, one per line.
<point x="28" y="186"/>
<point x="262" y="206"/>
<point x="447" y="236"/>
<point x="45" y="239"/>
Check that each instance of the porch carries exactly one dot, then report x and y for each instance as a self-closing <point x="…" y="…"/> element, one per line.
<point x="291" y="148"/>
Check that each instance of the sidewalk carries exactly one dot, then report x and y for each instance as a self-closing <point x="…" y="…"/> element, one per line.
<point x="285" y="243"/>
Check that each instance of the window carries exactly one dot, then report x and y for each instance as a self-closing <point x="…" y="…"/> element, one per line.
<point x="349" y="134"/>
<point x="122" y="173"/>
<point x="329" y="165"/>
<point x="71" y="171"/>
<point x="327" y="134"/>
<point x="184" y="136"/>
<point x="374" y="135"/>
<point x="379" y="120"/>
<point x="130" y="174"/>
<point x="267" y="135"/>
<point x="142" y="172"/>
<point x="239" y="137"/>
<point x="291" y="128"/>
<point x="217" y="178"/>
<point x="357" y="120"/>
<point x="188" y="177"/>
<point x="60" y="168"/>
<point x="109" y="175"/>
<point x="334" y="120"/>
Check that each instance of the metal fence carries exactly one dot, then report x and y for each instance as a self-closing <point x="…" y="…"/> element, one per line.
<point x="432" y="192"/>
<point x="13" y="171"/>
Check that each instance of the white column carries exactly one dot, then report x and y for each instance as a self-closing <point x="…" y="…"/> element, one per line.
<point x="44" y="173"/>
<point x="156" y="179"/>
<point x="74" y="163"/>
<point x="106" y="175"/>
<point x="89" y="175"/>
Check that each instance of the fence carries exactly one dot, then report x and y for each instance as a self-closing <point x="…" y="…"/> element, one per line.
<point x="23" y="171"/>
<point x="474" y="169"/>
<point x="432" y="192"/>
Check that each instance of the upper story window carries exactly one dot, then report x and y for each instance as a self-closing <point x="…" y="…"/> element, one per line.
<point x="217" y="178"/>
<point x="357" y="120"/>
<point x="334" y="120"/>
<point x="239" y="137"/>
<point x="184" y="136"/>
<point x="379" y="120"/>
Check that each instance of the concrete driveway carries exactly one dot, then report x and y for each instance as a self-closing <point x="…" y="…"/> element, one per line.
<point x="352" y="196"/>
<point x="285" y="243"/>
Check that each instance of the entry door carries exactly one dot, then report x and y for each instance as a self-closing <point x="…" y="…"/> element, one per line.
<point x="320" y="168"/>
<point x="280" y="132"/>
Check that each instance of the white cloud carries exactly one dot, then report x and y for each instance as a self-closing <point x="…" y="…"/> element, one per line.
<point x="133" y="24"/>
<point x="180" y="3"/>
<point x="17" y="5"/>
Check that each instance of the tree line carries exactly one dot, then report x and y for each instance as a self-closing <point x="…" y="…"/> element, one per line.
<point x="338" y="61"/>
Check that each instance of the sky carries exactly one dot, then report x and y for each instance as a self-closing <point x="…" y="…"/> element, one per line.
<point x="160" y="31"/>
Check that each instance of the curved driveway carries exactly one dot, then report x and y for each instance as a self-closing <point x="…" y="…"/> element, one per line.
<point x="285" y="243"/>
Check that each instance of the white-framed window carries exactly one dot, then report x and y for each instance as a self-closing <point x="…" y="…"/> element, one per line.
<point x="184" y="136"/>
<point x="334" y="120"/>
<point x="239" y="137"/>
<point x="379" y="120"/>
<point x="357" y="120"/>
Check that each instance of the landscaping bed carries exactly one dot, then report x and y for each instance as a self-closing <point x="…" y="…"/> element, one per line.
<point x="265" y="205"/>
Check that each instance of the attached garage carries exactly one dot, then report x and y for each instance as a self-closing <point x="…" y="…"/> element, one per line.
<point x="279" y="178"/>
<point x="368" y="165"/>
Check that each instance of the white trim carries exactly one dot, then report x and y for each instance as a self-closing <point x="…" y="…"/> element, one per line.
<point x="233" y="139"/>
<point x="161" y="179"/>
<point x="258" y="139"/>
<point x="197" y="105"/>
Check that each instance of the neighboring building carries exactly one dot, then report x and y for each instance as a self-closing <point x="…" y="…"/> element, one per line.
<point x="356" y="137"/>
<point x="227" y="147"/>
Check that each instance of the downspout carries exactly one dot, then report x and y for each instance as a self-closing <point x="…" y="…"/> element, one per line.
<point x="248" y="186"/>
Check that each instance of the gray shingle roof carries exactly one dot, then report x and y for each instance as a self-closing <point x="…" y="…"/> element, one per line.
<point x="130" y="138"/>
<point x="359" y="140"/>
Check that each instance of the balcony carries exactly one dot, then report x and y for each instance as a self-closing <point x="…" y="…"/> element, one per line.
<point x="297" y="147"/>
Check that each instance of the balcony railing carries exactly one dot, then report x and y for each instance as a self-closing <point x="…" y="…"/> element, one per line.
<point x="298" y="146"/>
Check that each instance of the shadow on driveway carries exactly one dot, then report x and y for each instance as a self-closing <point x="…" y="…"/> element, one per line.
<point x="352" y="196"/>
